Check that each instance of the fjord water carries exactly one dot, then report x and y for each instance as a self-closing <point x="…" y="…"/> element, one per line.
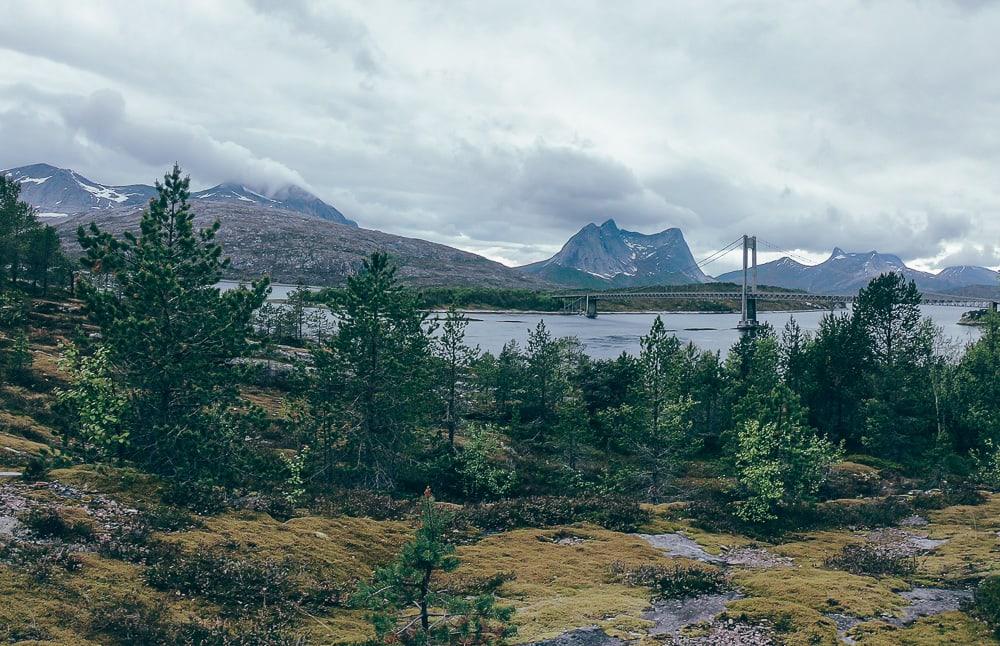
<point x="609" y="335"/>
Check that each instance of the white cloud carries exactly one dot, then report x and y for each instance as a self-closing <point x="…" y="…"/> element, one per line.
<point x="503" y="128"/>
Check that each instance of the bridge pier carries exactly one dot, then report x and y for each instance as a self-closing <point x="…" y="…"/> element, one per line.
<point x="591" y="308"/>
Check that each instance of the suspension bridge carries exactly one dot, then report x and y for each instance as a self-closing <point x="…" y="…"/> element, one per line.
<point x="749" y="295"/>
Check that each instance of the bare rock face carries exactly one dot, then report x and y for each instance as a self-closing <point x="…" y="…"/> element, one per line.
<point x="293" y="248"/>
<point x="606" y="256"/>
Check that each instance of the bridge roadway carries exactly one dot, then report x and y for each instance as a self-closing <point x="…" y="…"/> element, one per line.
<point x="832" y="300"/>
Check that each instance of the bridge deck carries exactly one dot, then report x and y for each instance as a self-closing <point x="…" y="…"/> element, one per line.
<point x="829" y="299"/>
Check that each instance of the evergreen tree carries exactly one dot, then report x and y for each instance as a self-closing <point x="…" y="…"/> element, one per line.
<point x="543" y="360"/>
<point x="792" y="355"/>
<point x="606" y="387"/>
<point x="454" y="359"/>
<point x="837" y="379"/>
<point x="976" y="390"/>
<point x="171" y="336"/>
<point x="374" y="374"/>
<point x="661" y="428"/>
<point x="412" y="605"/>
<point x="900" y="419"/>
<point x="17" y="227"/>
<point x="43" y="255"/>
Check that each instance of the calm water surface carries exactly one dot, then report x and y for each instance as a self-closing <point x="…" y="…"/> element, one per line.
<point x="609" y="335"/>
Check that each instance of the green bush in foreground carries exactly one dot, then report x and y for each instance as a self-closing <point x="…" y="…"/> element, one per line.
<point x="618" y="514"/>
<point x="412" y="582"/>
<point x="670" y="581"/>
<point x="780" y="464"/>
<point x="988" y="601"/>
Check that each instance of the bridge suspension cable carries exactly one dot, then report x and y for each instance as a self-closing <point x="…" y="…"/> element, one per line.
<point x="790" y="254"/>
<point x="720" y="253"/>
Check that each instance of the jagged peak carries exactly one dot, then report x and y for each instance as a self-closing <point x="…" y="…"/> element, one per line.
<point x="609" y="224"/>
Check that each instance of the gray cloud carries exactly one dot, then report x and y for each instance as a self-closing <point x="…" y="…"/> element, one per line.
<point x="502" y="129"/>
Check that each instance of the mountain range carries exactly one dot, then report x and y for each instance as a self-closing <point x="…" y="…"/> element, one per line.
<point x="846" y="272"/>
<point x="294" y="236"/>
<point x="290" y="235"/>
<point x="60" y="191"/>
<point x="607" y="256"/>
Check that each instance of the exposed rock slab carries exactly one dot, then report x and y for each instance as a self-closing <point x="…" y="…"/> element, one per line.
<point x="672" y="615"/>
<point x="680" y="545"/>
<point x="591" y="636"/>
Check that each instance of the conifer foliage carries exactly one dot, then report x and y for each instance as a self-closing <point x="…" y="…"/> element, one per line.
<point x="171" y="336"/>
<point x="413" y="604"/>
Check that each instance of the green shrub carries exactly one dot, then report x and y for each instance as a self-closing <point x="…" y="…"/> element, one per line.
<point x="39" y="561"/>
<point x="670" y="581"/>
<point x="237" y="583"/>
<point x="167" y="518"/>
<point x="779" y="466"/>
<point x="37" y="469"/>
<point x="47" y="523"/>
<point x="362" y="503"/>
<point x="618" y="514"/>
<point x="880" y="512"/>
<point x="874" y="559"/>
<point x="128" y="621"/>
<point x="987" y="602"/>
<point x="201" y="496"/>
<point x="957" y="493"/>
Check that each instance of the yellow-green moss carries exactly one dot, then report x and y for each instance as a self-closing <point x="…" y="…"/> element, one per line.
<point x="824" y="590"/>
<point x="561" y="587"/>
<point x="814" y="548"/>
<point x="124" y="483"/>
<point x="338" y="549"/>
<point x="955" y="628"/>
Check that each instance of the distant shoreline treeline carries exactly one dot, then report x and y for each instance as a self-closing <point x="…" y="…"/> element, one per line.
<point x="503" y="298"/>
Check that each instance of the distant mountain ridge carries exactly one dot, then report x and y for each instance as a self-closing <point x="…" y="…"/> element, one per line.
<point x="847" y="272"/>
<point x="607" y="256"/>
<point x="297" y="248"/>
<point x="60" y="191"/>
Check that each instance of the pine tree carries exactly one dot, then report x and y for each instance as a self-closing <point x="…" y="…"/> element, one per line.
<point x="374" y="374"/>
<point x="413" y="606"/>
<point x="661" y="427"/>
<point x="543" y="366"/>
<point x="837" y="379"/>
<point x="171" y="335"/>
<point x="17" y="226"/>
<point x="900" y="420"/>
<point x="43" y="255"/>
<point x="454" y="359"/>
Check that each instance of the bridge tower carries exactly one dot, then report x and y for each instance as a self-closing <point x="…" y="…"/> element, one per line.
<point x="748" y="318"/>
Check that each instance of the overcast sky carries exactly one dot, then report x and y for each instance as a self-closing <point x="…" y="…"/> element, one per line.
<point x="503" y="127"/>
